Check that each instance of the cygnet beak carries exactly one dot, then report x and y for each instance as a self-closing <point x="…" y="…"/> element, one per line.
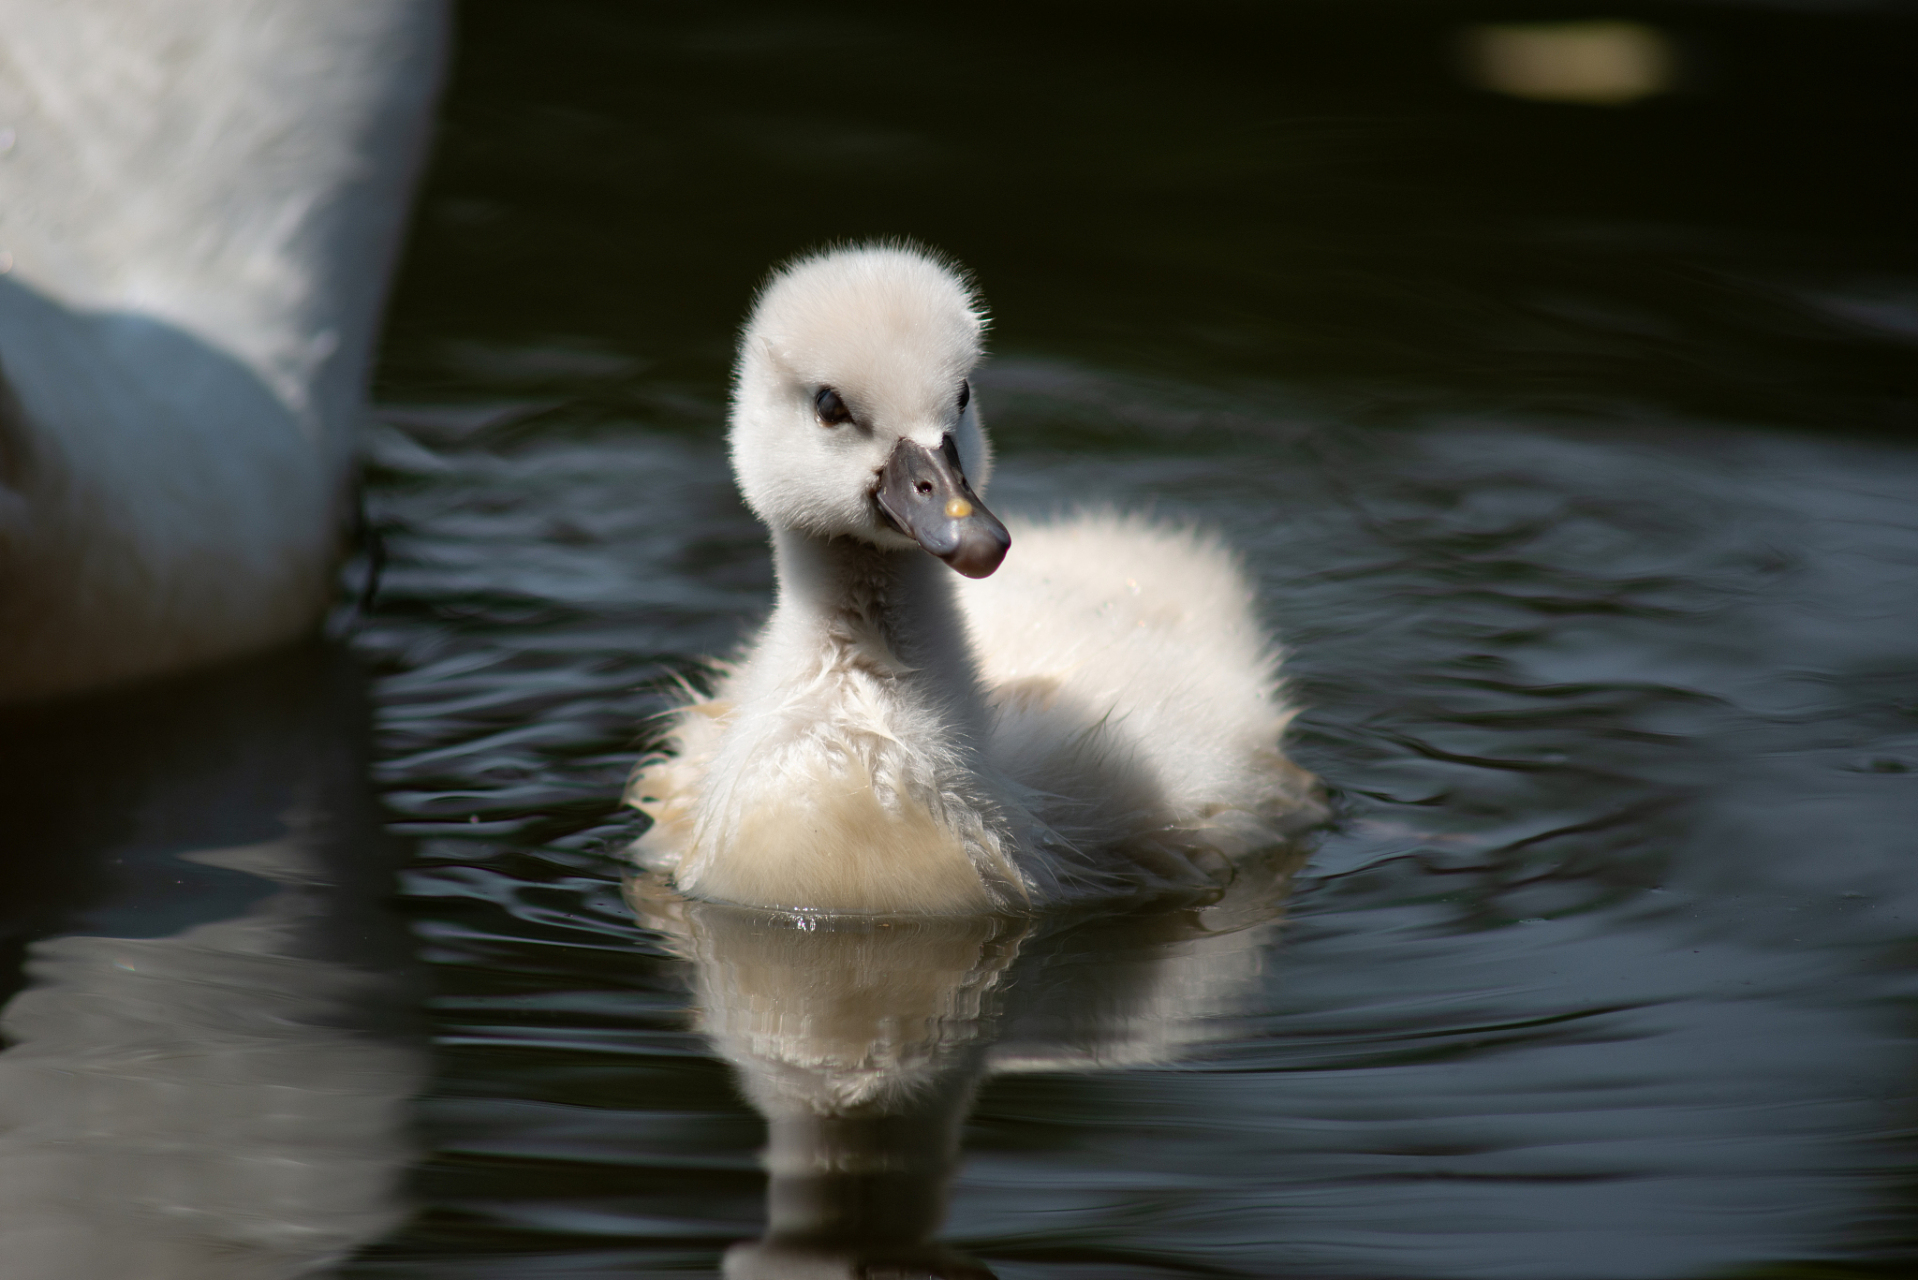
<point x="925" y="496"/>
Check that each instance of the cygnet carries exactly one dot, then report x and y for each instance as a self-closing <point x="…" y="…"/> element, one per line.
<point x="946" y="713"/>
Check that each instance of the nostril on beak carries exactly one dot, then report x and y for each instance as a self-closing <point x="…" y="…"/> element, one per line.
<point x="924" y="495"/>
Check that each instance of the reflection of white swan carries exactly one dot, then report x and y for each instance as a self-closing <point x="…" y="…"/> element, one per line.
<point x="198" y="206"/>
<point x="180" y="1108"/>
<point x="863" y="1040"/>
<point x="1099" y="718"/>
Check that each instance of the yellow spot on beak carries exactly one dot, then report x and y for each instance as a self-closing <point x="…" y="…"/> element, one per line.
<point x="958" y="508"/>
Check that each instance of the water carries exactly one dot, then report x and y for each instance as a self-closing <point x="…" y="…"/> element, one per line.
<point x="1570" y="448"/>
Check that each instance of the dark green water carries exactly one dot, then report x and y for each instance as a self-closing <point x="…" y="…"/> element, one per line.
<point x="1574" y="450"/>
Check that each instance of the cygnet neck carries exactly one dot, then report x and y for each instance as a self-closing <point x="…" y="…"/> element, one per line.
<point x="893" y="614"/>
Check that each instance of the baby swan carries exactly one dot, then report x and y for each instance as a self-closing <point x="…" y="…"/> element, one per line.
<point x="1101" y="718"/>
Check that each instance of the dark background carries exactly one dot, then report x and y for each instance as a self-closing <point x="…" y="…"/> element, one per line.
<point x="1300" y="191"/>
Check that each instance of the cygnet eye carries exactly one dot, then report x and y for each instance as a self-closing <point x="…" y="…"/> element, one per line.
<point x="965" y="394"/>
<point x="832" y="410"/>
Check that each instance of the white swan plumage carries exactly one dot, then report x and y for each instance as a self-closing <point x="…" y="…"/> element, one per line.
<point x="1100" y="716"/>
<point x="201" y="206"/>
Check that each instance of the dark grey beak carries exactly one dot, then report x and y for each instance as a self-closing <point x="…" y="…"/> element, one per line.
<point x="926" y="497"/>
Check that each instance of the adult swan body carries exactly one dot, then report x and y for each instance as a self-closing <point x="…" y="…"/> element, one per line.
<point x="200" y="201"/>
<point x="1098" y="717"/>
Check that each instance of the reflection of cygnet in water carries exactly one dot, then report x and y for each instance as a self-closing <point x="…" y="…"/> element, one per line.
<point x="863" y="1040"/>
<point x="860" y="1041"/>
<point x="179" y="1108"/>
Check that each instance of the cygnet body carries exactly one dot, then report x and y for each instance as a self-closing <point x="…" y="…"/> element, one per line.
<point x="1099" y="716"/>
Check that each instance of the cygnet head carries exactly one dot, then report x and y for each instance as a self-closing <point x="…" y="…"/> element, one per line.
<point x="853" y="416"/>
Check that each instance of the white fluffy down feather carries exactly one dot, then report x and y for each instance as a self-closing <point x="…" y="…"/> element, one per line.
<point x="1098" y="718"/>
